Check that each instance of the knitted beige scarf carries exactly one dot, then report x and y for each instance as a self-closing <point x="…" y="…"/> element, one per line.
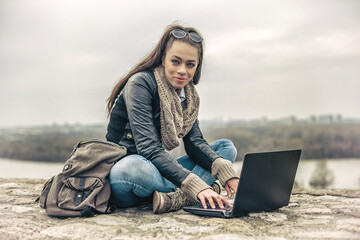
<point x="175" y="120"/>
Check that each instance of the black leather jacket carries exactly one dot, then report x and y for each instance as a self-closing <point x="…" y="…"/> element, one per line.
<point x="135" y="124"/>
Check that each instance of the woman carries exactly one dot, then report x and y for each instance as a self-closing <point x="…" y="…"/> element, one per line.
<point x="151" y="109"/>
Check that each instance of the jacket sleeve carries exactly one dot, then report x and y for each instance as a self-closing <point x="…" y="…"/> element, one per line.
<point x="138" y="95"/>
<point x="198" y="149"/>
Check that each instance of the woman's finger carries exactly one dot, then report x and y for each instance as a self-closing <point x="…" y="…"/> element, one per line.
<point x="232" y="184"/>
<point x="211" y="197"/>
<point x="219" y="201"/>
<point x="202" y="200"/>
<point x="224" y="200"/>
<point x="228" y="190"/>
<point x="210" y="200"/>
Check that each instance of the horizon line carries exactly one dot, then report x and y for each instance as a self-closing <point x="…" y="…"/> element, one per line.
<point x="320" y="117"/>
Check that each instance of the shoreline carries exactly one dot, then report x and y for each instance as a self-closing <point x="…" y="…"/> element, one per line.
<point x="345" y="172"/>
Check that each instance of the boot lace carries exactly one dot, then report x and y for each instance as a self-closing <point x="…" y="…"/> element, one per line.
<point x="177" y="200"/>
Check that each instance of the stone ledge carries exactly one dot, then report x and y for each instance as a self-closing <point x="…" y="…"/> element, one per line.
<point x="320" y="214"/>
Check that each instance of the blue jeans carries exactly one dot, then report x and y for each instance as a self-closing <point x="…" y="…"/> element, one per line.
<point x="134" y="179"/>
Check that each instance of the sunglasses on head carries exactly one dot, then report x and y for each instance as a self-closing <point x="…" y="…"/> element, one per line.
<point x="179" y="33"/>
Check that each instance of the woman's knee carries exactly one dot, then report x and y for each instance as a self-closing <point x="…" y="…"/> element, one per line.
<point x="226" y="149"/>
<point x="130" y="180"/>
<point x="132" y="168"/>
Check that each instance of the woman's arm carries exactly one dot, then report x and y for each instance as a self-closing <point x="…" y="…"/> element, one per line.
<point x="198" y="149"/>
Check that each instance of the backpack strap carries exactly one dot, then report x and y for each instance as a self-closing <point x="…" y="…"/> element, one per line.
<point x="79" y="194"/>
<point x="89" y="211"/>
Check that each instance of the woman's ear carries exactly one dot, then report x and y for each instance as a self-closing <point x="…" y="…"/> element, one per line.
<point x="163" y="60"/>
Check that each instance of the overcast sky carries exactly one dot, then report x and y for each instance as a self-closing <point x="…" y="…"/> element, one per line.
<point x="60" y="59"/>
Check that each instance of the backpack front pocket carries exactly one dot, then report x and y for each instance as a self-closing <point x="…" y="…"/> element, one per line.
<point x="76" y="192"/>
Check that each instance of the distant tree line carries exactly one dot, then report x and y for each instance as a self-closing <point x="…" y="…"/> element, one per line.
<point x="318" y="141"/>
<point x="48" y="146"/>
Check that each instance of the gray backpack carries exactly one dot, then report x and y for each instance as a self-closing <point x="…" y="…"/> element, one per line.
<point x="82" y="188"/>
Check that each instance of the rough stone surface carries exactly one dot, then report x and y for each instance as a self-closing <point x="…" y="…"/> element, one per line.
<point x="321" y="214"/>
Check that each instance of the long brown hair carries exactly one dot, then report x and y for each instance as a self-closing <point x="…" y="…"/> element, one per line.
<point x="154" y="59"/>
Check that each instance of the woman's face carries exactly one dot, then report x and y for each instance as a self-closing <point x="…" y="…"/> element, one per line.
<point x="180" y="62"/>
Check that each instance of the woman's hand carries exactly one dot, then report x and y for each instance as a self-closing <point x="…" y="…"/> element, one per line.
<point x="231" y="186"/>
<point x="212" y="197"/>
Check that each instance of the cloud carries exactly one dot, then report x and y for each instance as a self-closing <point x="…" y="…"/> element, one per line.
<point x="60" y="59"/>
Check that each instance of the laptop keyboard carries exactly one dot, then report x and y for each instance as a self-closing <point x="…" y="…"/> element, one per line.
<point x="227" y="208"/>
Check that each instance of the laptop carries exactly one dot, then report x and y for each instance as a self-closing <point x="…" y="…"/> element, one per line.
<point x="266" y="182"/>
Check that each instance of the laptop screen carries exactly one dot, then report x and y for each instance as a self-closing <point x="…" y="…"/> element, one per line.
<point x="266" y="181"/>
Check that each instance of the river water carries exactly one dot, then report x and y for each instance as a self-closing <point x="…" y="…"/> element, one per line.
<point x="345" y="172"/>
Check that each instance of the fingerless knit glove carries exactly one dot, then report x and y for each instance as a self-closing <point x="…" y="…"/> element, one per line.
<point x="223" y="170"/>
<point x="192" y="185"/>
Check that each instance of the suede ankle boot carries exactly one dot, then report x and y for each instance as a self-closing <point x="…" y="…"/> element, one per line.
<point x="216" y="187"/>
<point x="172" y="201"/>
